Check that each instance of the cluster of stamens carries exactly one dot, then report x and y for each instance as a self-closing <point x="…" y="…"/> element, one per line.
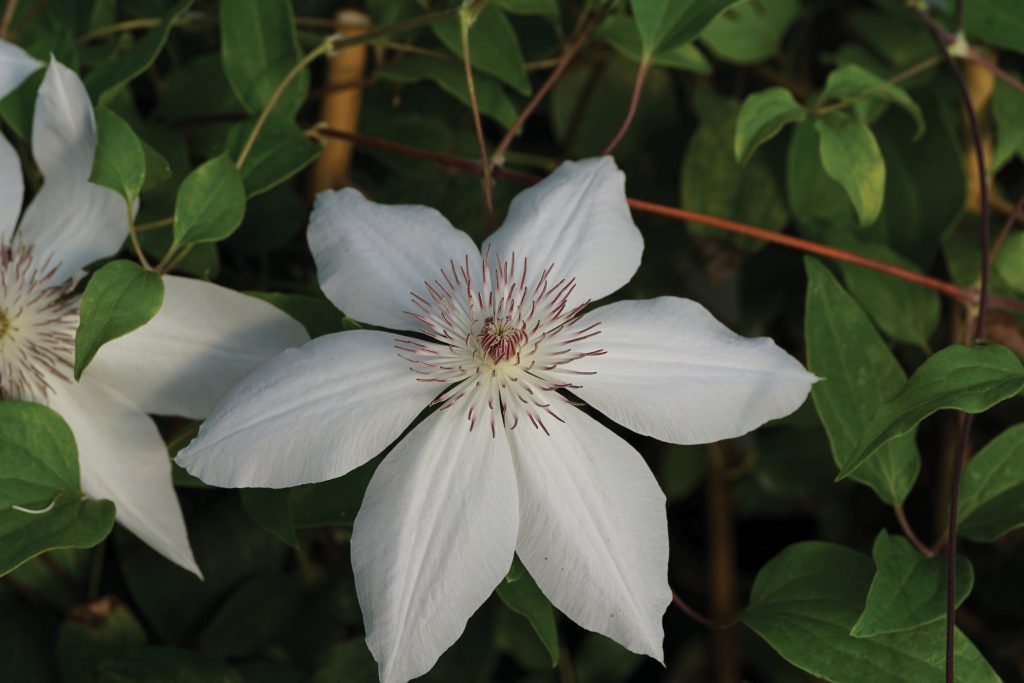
<point x="503" y="346"/>
<point x="38" y="320"/>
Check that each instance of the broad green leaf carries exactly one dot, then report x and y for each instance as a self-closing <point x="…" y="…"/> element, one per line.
<point x="967" y="378"/>
<point x="681" y="470"/>
<point x="819" y="204"/>
<point x="163" y="664"/>
<point x="210" y="204"/>
<point x="850" y="155"/>
<point x="491" y="97"/>
<point x="318" y="315"/>
<point x="992" y="492"/>
<point x="350" y="661"/>
<point x="599" y="660"/>
<point x="280" y="151"/>
<point x="103" y="81"/>
<point x="750" y="30"/>
<point x="762" y="116"/>
<point x="254" y="615"/>
<point x="997" y="22"/>
<point x="17" y="108"/>
<point x="714" y="183"/>
<point x="520" y="594"/>
<point x="620" y="32"/>
<point x="903" y="310"/>
<point x="38" y="457"/>
<point x="807" y="598"/>
<point x="272" y="508"/>
<point x="202" y="262"/>
<point x="673" y="22"/>
<point x="334" y="502"/>
<point x="852" y="83"/>
<point x="120" y="297"/>
<point x="26" y="650"/>
<point x="908" y="590"/>
<point x="158" y="170"/>
<point x="197" y="89"/>
<point x="549" y="9"/>
<point x="1009" y="262"/>
<point x="858" y="372"/>
<point x="120" y="160"/>
<point x="1008" y="112"/>
<point x="493" y="46"/>
<point x="259" y="47"/>
<point x="94" y="632"/>
<point x="72" y="522"/>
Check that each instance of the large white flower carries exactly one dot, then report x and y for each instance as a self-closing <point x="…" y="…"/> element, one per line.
<point x="203" y="340"/>
<point x="507" y="462"/>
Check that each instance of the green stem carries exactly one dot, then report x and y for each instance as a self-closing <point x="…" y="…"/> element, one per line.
<point x="465" y="20"/>
<point x="133" y="233"/>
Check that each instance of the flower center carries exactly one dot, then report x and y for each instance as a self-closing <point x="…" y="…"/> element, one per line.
<point x="37" y="325"/>
<point x="504" y="347"/>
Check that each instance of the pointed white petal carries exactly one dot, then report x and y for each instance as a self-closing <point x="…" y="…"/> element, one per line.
<point x="76" y="221"/>
<point x="12" y="189"/>
<point x="201" y="343"/>
<point x="435" y="535"/>
<point x="576" y="219"/>
<point x="123" y="459"/>
<point x="672" y="371"/>
<point x="63" y="126"/>
<point x="15" y="66"/>
<point x="593" y="531"/>
<point x="310" y="414"/>
<point x="370" y="256"/>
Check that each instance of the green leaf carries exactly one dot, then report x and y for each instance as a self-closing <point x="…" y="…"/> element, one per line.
<point x="71" y="523"/>
<point x="157" y="169"/>
<point x="38" y="457"/>
<point x="850" y="155"/>
<point x="1008" y="112"/>
<point x="163" y="664"/>
<point x="520" y="594"/>
<point x="621" y="33"/>
<point x="103" y="81"/>
<point x="259" y="47"/>
<point x="318" y="315"/>
<point x="492" y="99"/>
<point x="853" y="83"/>
<point x="673" y="22"/>
<point x="762" y="116"/>
<point x="493" y="46"/>
<point x="1009" y="262"/>
<point x="332" y="503"/>
<point x="210" y="204"/>
<point x="197" y="89"/>
<point x="967" y="378"/>
<point x="859" y="371"/>
<point x="997" y="22"/>
<point x="714" y="183"/>
<point x="807" y="598"/>
<point x="93" y="632"/>
<point x="120" y="297"/>
<point x="254" y="615"/>
<point x="280" y="151"/>
<point x="549" y="9"/>
<point x="272" y="508"/>
<point x="992" y="493"/>
<point x="120" y="161"/>
<point x="908" y="590"/>
<point x="819" y="204"/>
<point x="750" y="31"/>
<point x="350" y="661"/>
<point x="903" y="310"/>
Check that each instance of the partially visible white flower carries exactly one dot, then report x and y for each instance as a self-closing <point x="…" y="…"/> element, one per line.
<point x="506" y="463"/>
<point x="202" y="341"/>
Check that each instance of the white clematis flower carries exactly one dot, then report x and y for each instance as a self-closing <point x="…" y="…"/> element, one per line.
<point x="507" y="463"/>
<point x="203" y="340"/>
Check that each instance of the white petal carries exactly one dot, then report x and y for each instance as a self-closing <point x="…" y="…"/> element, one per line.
<point x="370" y="256"/>
<point x="201" y="343"/>
<point x="12" y="188"/>
<point x="63" y="126"/>
<point x="123" y="459"/>
<point x="576" y="219"/>
<point x="672" y="371"/>
<point x="435" y="535"/>
<point x="15" y="66"/>
<point x="310" y="414"/>
<point x="593" y="531"/>
<point x="74" y="220"/>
